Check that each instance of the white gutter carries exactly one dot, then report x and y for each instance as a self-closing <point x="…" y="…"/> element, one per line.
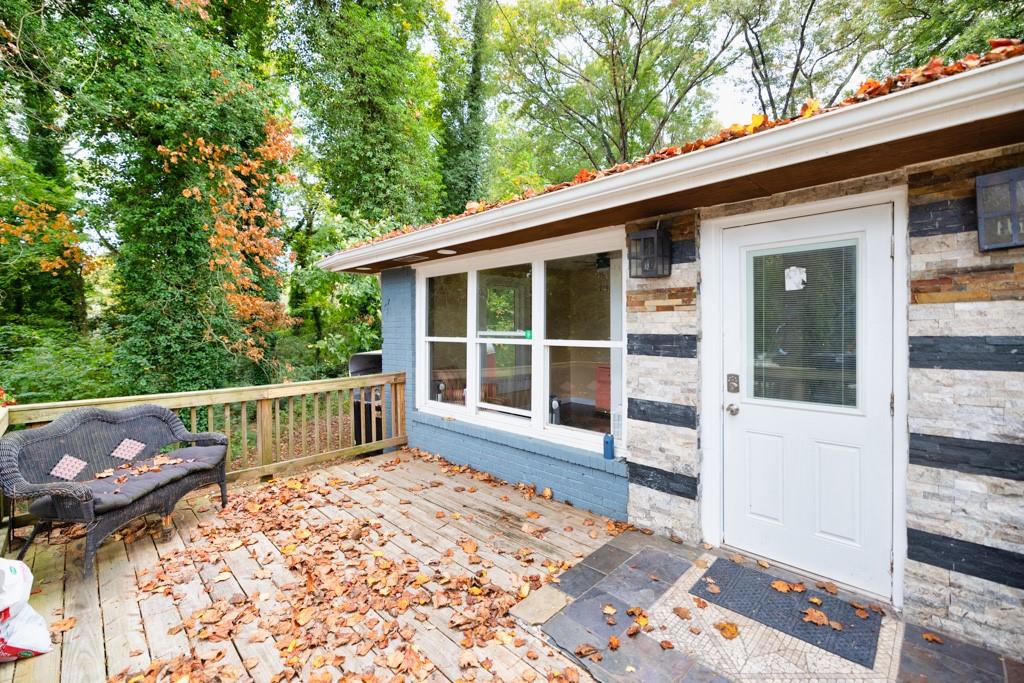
<point x="983" y="93"/>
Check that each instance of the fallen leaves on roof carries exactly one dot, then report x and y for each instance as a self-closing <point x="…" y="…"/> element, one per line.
<point x="1000" y="49"/>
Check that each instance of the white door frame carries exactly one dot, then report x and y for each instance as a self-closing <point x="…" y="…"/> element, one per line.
<point x="712" y="369"/>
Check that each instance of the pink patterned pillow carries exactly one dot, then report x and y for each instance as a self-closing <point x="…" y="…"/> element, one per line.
<point x="68" y="468"/>
<point x="128" y="449"/>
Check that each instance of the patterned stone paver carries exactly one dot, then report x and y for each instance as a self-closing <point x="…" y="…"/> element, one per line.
<point x="657" y="575"/>
<point x="748" y="591"/>
<point x="760" y="652"/>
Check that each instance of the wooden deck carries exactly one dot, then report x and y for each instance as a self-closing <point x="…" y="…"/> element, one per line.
<point x="389" y="564"/>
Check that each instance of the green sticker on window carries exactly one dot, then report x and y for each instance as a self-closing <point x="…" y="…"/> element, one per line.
<point x="528" y="334"/>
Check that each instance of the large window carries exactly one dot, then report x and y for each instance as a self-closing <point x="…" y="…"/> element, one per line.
<point x="533" y="344"/>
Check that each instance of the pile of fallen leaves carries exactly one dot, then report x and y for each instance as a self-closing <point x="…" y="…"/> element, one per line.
<point x="528" y="491"/>
<point x="936" y="69"/>
<point x="357" y="592"/>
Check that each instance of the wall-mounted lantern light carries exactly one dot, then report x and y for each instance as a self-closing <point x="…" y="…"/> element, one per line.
<point x="1000" y="209"/>
<point x="650" y="253"/>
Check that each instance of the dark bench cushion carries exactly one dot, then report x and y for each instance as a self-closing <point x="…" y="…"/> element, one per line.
<point x="109" y="495"/>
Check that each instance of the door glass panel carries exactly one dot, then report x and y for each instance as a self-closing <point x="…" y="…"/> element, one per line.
<point x="803" y="315"/>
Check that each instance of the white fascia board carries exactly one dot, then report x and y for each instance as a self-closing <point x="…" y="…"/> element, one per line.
<point x="986" y="92"/>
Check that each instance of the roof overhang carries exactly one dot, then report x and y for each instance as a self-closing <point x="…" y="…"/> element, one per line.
<point x="976" y="110"/>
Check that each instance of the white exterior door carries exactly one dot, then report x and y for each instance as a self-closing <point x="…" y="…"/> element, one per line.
<point x="807" y="354"/>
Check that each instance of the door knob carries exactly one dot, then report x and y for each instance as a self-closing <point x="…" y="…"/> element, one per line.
<point x="732" y="409"/>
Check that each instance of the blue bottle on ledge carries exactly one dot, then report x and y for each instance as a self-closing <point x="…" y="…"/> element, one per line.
<point x="609" y="447"/>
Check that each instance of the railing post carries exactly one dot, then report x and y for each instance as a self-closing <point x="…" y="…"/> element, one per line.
<point x="264" y="430"/>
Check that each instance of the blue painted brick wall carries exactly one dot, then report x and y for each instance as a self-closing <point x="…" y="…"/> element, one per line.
<point x="580" y="477"/>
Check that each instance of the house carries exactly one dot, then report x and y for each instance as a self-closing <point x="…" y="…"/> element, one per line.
<point x="806" y="339"/>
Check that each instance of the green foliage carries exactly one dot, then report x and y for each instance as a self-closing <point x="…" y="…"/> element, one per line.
<point x="515" y="162"/>
<point x="167" y="80"/>
<point x="341" y="312"/>
<point x="603" y="83"/>
<point x="950" y="29"/>
<point x="800" y="49"/>
<point x="26" y="291"/>
<point x="371" y="101"/>
<point x="463" y="108"/>
<point x="40" y="363"/>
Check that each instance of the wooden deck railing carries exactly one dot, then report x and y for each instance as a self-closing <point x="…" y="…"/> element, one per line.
<point x="271" y="428"/>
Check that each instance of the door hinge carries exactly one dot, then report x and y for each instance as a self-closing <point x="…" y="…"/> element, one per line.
<point x="892" y="405"/>
<point x="892" y="246"/>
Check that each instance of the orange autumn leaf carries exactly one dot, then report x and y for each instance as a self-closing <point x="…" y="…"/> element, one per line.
<point x="728" y="629"/>
<point x="931" y="637"/>
<point x="815" y="616"/>
<point x="63" y="625"/>
<point x="810" y="107"/>
<point x="613" y="642"/>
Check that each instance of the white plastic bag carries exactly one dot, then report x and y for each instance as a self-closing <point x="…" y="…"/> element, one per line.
<point x="23" y="632"/>
<point x="15" y="587"/>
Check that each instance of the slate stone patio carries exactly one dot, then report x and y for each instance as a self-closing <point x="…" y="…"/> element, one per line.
<point x="774" y="643"/>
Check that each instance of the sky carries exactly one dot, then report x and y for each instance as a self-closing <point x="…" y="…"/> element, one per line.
<point x="731" y="106"/>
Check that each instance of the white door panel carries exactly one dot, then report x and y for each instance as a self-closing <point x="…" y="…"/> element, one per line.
<point x="808" y="434"/>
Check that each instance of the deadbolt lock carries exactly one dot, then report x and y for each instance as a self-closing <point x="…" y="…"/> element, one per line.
<point x="732" y="383"/>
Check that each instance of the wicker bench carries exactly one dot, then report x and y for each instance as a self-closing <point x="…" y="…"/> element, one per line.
<point x="105" y="468"/>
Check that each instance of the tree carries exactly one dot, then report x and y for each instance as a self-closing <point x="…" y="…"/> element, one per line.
<point x="463" y="110"/>
<point x="44" y="262"/>
<point x="800" y="49"/>
<point x="921" y="29"/>
<point x="370" y="96"/>
<point x="341" y="310"/>
<point x="607" y="82"/>
<point x="184" y="154"/>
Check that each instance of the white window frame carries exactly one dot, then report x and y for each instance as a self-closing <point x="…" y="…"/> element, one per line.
<point x="536" y="254"/>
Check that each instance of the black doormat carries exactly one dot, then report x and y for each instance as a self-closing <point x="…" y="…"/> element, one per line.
<point x="749" y="592"/>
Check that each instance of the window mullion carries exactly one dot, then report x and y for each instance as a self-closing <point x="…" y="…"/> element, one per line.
<point x="538" y="354"/>
<point x="472" y="350"/>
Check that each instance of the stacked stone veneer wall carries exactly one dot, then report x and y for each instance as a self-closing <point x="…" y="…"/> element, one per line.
<point x="661" y="388"/>
<point x="580" y="477"/>
<point x="965" y="493"/>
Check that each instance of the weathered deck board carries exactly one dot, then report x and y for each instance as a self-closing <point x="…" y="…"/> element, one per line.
<point x="195" y="596"/>
<point x="119" y="627"/>
<point x="159" y="613"/>
<point x="83" y="655"/>
<point x="125" y="636"/>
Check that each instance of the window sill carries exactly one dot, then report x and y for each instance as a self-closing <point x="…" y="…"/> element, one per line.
<point x="550" y="445"/>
